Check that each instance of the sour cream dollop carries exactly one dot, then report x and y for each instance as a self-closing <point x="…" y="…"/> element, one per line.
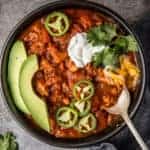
<point x="80" y="51"/>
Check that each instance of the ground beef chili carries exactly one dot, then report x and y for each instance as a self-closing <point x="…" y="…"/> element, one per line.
<point x="58" y="74"/>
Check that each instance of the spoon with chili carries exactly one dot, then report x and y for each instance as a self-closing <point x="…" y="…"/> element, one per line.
<point x="121" y="108"/>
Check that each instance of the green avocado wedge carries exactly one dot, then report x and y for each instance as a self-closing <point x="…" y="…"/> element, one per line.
<point x="16" y="58"/>
<point x="35" y="104"/>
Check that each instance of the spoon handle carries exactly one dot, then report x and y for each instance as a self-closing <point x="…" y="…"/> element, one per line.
<point x="134" y="132"/>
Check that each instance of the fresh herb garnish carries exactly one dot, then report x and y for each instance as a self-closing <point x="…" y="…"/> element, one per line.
<point x="102" y="34"/>
<point x="116" y="45"/>
<point x="107" y="57"/>
<point x="120" y="44"/>
<point x="110" y="57"/>
<point x="97" y="59"/>
<point x="8" y="142"/>
<point x="132" y="43"/>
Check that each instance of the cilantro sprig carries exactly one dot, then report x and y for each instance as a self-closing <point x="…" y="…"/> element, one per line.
<point x="8" y="142"/>
<point x="106" y="34"/>
<point x="102" y="34"/>
<point x="107" y="57"/>
<point x="132" y="43"/>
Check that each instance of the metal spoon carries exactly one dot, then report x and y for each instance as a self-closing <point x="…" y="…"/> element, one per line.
<point x="121" y="108"/>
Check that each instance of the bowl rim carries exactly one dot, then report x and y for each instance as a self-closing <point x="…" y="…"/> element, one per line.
<point x="115" y="16"/>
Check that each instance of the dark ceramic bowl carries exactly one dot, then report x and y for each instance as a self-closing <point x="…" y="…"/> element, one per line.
<point x="18" y="116"/>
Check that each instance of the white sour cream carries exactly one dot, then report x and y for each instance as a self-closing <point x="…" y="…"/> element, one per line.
<point x="80" y="51"/>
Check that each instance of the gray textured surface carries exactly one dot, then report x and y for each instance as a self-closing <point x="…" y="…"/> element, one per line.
<point x="11" y="11"/>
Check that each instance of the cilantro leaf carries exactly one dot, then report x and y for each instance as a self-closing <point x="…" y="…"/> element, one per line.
<point x="110" y="30"/>
<point x="107" y="57"/>
<point x="97" y="59"/>
<point x="132" y="43"/>
<point x="110" y="57"/>
<point x="121" y="43"/>
<point x="4" y="142"/>
<point x="8" y="142"/>
<point x="93" y="36"/>
<point x="102" y="34"/>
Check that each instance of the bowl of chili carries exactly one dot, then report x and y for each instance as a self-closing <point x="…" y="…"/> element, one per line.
<point x="56" y="29"/>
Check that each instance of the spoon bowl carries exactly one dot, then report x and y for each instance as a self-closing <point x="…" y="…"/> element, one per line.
<point x="122" y="104"/>
<point x="121" y="108"/>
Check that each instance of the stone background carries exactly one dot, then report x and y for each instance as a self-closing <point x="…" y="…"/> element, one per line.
<point x="11" y="11"/>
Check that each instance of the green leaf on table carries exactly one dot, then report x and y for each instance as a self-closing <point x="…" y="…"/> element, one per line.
<point x="8" y="142"/>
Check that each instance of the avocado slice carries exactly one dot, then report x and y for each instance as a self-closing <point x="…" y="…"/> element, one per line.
<point x="35" y="104"/>
<point x="16" y="58"/>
